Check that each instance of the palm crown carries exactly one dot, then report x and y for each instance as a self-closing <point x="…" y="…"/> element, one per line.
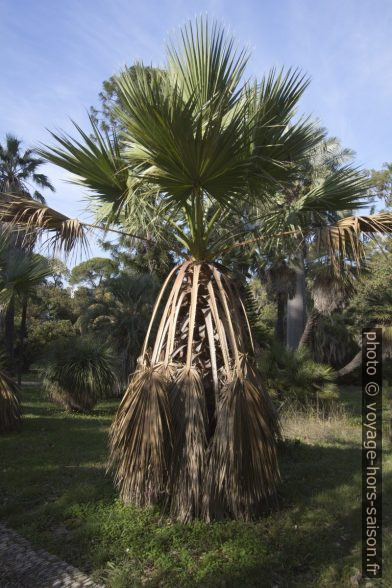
<point x="18" y="169"/>
<point x="198" y="141"/>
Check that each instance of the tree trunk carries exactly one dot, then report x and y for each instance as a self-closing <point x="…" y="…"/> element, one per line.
<point x="296" y="307"/>
<point x="9" y="328"/>
<point x="22" y="336"/>
<point x="351" y="366"/>
<point x="281" y="308"/>
<point x="310" y="324"/>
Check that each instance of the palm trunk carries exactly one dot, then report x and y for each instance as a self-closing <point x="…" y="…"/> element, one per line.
<point x="310" y="324"/>
<point x="351" y="366"/>
<point x="296" y="307"/>
<point x="281" y="308"/>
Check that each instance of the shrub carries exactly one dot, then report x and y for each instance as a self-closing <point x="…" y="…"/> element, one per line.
<point x="43" y="333"/>
<point x="293" y="376"/>
<point x="78" y="372"/>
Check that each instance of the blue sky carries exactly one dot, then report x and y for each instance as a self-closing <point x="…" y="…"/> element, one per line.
<point x="56" y="53"/>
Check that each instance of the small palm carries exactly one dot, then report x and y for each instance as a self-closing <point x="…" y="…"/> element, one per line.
<point x="19" y="170"/>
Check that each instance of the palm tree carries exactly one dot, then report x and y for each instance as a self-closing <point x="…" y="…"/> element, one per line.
<point x="77" y="372"/>
<point x="18" y="170"/>
<point x="329" y="292"/>
<point x="20" y="273"/>
<point x="195" y="431"/>
<point x="291" y="210"/>
<point x="19" y="175"/>
<point x="119" y="314"/>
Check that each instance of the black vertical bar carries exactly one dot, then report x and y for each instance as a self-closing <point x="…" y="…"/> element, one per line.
<point x="372" y="453"/>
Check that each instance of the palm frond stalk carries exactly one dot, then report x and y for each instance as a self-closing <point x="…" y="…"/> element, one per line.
<point x="10" y="410"/>
<point x="196" y="431"/>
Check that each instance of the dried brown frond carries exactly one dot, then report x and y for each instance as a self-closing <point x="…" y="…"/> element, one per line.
<point x="141" y="438"/>
<point x="34" y="217"/>
<point x="195" y="424"/>
<point x="10" y="410"/>
<point x="242" y="472"/>
<point x="374" y="223"/>
<point x="343" y="239"/>
<point x="188" y="406"/>
<point x="330" y="291"/>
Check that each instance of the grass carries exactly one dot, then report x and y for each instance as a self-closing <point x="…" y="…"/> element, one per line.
<point x="54" y="491"/>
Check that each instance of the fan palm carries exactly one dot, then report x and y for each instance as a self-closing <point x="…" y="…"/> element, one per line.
<point x="19" y="174"/>
<point x="119" y="314"/>
<point x="20" y="272"/>
<point x="19" y="170"/>
<point x="196" y="430"/>
<point x="77" y="372"/>
<point x="312" y="201"/>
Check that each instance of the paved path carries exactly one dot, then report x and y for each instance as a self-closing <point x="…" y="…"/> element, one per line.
<point x="23" y="567"/>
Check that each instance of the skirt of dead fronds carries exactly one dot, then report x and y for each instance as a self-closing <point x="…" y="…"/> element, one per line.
<point x="10" y="410"/>
<point x="196" y="432"/>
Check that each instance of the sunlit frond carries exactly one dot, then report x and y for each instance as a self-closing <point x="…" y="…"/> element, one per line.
<point x="95" y="161"/>
<point x="344" y="240"/>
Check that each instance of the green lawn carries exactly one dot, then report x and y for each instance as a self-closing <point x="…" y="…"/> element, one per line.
<point x="54" y="491"/>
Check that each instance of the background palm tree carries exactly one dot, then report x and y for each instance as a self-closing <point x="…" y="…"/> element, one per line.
<point x="309" y="203"/>
<point x="77" y="372"/>
<point x="19" y="175"/>
<point x="18" y="170"/>
<point x="119" y="314"/>
<point x="20" y="273"/>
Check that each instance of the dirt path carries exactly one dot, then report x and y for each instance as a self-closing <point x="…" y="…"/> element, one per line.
<point x="23" y="567"/>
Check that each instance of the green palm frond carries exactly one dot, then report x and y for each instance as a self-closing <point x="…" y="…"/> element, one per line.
<point x="170" y="144"/>
<point x="21" y="274"/>
<point x="195" y="137"/>
<point x="95" y="162"/>
<point x="207" y="64"/>
<point x="343" y="189"/>
<point x="277" y="143"/>
<point x="77" y="372"/>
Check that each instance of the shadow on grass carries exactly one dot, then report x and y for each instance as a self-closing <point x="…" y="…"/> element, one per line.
<point x="54" y="475"/>
<point x="313" y="540"/>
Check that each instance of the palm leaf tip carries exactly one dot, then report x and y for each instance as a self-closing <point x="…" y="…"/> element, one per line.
<point x="190" y="444"/>
<point x="242" y="471"/>
<point x="344" y="238"/>
<point x="34" y="217"/>
<point x="94" y="161"/>
<point x="141" y="438"/>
